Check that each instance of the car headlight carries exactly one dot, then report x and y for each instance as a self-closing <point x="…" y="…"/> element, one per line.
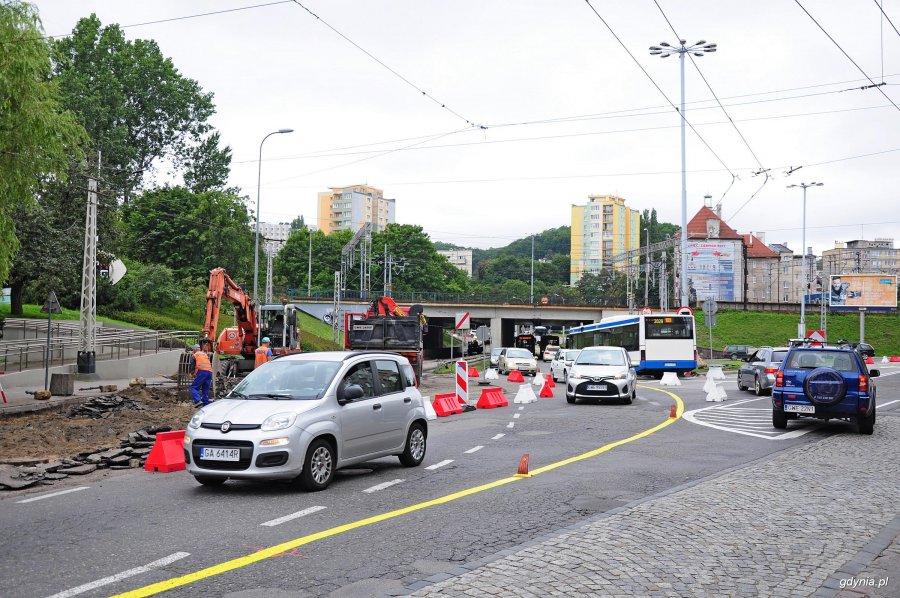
<point x="196" y="420"/>
<point x="279" y="421"/>
<point x="619" y="376"/>
<point x="573" y="373"/>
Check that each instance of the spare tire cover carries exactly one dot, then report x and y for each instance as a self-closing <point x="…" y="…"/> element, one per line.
<point x="825" y="386"/>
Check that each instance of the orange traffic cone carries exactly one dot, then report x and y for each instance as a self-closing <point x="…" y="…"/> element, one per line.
<point x="673" y="412"/>
<point x="546" y="391"/>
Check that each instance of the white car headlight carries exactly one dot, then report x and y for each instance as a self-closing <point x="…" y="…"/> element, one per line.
<point x="196" y="420"/>
<point x="279" y="421"/>
<point x="619" y="376"/>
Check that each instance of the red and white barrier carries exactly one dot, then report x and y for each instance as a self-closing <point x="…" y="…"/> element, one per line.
<point x="462" y="382"/>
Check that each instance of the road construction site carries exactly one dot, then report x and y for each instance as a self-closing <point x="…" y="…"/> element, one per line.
<point x="447" y="526"/>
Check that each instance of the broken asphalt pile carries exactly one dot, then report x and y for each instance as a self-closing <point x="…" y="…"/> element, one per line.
<point x="105" y="432"/>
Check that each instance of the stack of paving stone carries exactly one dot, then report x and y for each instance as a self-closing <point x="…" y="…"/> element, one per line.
<point x="102" y="407"/>
<point x="132" y="453"/>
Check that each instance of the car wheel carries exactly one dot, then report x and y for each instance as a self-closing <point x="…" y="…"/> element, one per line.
<point x="866" y="425"/>
<point x="757" y="387"/>
<point x="740" y="386"/>
<point x="414" y="453"/>
<point x="779" y="419"/>
<point x="633" y="393"/>
<point x="570" y="400"/>
<point x="210" y="480"/>
<point x="553" y="375"/>
<point x="628" y="399"/>
<point x="318" y="467"/>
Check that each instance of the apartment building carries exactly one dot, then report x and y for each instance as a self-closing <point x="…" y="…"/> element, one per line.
<point x="790" y="279"/>
<point x="762" y="268"/>
<point x="272" y="235"/>
<point x="878" y="256"/>
<point x="461" y="258"/>
<point x="350" y="208"/>
<point x="602" y="229"/>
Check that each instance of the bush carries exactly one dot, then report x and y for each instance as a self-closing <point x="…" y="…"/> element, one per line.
<point x="143" y="285"/>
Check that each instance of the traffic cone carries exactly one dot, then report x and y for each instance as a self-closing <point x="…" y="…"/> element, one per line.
<point x="550" y="381"/>
<point x="522" y="471"/>
<point x="546" y="392"/>
<point x="673" y="412"/>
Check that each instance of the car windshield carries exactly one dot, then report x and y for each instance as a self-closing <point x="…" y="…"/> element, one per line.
<point x="518" y="354"/>
<point x="601" y="357"/>
<point x="778" y="356"/>
<point x="287" y="379"/>
<point x="808" y="360"/>
<point x="496" y="352"/>
<point x="571" y="355"/>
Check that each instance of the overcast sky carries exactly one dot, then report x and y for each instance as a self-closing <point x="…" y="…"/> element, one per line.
<point x="497" y="62"/>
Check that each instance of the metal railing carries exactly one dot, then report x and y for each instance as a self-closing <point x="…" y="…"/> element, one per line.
<point x="553" y="299"/>
<point x="31" y="353"/>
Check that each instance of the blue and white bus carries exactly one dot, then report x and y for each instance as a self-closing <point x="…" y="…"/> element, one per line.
<point x="656" y="343"/>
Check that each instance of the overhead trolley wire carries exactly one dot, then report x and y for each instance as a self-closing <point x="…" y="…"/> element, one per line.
<point x="658" y="88"/>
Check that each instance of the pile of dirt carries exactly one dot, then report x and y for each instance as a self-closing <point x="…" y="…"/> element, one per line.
<point x="64" y="432"/>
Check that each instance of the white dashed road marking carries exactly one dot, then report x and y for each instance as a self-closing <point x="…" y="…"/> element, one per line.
<point x="522" y="407"/>
<point x="52" y="494"/>
<point x="888" y="403"/>
<point x="510" y="424"/>
<point x="439" y="464"/>
<point x="382" y="486"/>
<point x="296" y="515"/>
<point x="474" y="449"/>
<point x="516" y="416"/>
<point x="120" y="576"/>
<point x="498" y="436"/>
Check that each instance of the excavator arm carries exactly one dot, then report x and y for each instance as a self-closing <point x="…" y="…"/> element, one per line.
<point x="223" y="288"/>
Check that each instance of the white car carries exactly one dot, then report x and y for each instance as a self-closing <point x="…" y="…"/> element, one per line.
<point x="562" y="361"/>
<point x="550" y="352"/>
<point x="602" y="372"/>
<point x="517" y="359"/>
<point x="495" y="356"/>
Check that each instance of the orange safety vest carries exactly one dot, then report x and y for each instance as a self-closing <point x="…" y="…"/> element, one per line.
<point x="201" y="362"/>
<point x="262" y="355"/>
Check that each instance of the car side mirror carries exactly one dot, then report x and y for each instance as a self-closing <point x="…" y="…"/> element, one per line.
<point x="874" y="373"/>
<point x="350" y="393"/>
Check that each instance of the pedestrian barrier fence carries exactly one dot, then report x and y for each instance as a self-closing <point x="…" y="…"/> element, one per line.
<point x="670" y="379"/>
<point x="525" y="394"/>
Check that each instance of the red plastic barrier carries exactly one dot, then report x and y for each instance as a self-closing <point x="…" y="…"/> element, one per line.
<point x="167" y="454"/>
<point x="895" y="358"/>
<point x="473" y="372"/>
<point x="445" y="404"/>
<point x="491" y="398"/>
<point x="546" y="391"/>
<point x="549" y="380"/>
<point x="515" y="376"/>
<point x="870" y="360"/>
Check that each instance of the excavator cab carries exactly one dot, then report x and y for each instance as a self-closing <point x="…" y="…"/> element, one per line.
<point x="279" y="323"/>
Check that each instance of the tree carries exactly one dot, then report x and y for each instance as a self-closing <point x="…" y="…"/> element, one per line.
<point x="608" y="286"/>
<point x="207" y="166"/>
<point x="298" y="223"/>
<point x="38" y="137"/>
<point x="292" y="262"/>
<point x="424" y="269"/>
<point x="191" y="233"/>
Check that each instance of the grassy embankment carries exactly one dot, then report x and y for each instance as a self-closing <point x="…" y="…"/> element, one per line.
<point x="774" y="329"/>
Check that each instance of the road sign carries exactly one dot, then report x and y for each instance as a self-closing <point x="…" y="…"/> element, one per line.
<point x="710" y="306"/>
<point x="51" y="306"/>
<point x="685" y="311"/>
<point x="646" y="311"/>
<point x="461" y="321"/>
<point x="817" y="336"/>
<point x="709" y="319"/>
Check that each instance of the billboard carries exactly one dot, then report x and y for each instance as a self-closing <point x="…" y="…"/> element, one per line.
<point x="714" y="269"/>
<point x="852" y="291"/>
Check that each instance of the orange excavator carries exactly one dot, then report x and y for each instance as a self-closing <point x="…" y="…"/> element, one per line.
<point x="278" y="322"/>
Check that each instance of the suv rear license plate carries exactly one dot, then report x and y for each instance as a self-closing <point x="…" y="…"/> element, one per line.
<point x="220" y="454"/>
<point x="596" y="386"/>
<point x="800" y="408"/>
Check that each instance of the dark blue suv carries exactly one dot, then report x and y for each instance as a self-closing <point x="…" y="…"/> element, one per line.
<point x="824" y="383"/>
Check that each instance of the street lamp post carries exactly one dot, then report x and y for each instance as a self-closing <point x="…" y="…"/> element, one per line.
<point x="664" y="50"/>
<point x="801" y="327"/>
<point x="258" y="189"/>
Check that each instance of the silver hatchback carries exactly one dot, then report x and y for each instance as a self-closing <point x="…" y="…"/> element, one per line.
<point x="304" y="416"/>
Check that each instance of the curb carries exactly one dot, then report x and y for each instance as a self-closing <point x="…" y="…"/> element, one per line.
<point x="861" y="561"/>
<point x="472" y="565"/>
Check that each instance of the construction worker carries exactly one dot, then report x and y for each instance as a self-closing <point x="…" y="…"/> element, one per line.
<point x="263" y="352"/>
<point x="202" y="377"/>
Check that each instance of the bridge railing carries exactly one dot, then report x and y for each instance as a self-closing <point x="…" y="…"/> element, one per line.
<point x="459" y="298"/>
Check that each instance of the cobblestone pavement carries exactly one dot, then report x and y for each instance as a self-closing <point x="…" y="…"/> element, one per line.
<point x="782" y="526"/>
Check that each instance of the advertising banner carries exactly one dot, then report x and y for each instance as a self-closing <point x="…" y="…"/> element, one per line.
<point x="852" y="291"/>
<point x="714" y="269"/>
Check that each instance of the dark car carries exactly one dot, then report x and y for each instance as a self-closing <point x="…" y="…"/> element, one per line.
<point x="824" y="383"/>
<point x="737" y="351"/>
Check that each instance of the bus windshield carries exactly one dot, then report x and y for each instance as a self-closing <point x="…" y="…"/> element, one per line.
<point x="669" y="327"/>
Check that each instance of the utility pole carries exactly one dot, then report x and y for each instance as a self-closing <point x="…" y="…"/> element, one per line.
<point x="385" y="272"/>
<point x="664" y="50"/>
<point x="801" y="327"/>
<point x="258" y="192"/>
<point x="309" y="266"/>
<point x="87" y="337"/>
<point x="269" y="255"/>
<point x="663" y="286"/>
<point x="647" y="271"/>
<point x="532" y="269"/>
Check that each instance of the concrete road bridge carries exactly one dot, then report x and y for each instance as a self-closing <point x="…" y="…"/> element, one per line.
<point x="500" y="318"/>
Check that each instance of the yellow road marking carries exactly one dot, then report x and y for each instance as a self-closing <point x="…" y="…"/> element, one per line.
<point x="266" y="553"/>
